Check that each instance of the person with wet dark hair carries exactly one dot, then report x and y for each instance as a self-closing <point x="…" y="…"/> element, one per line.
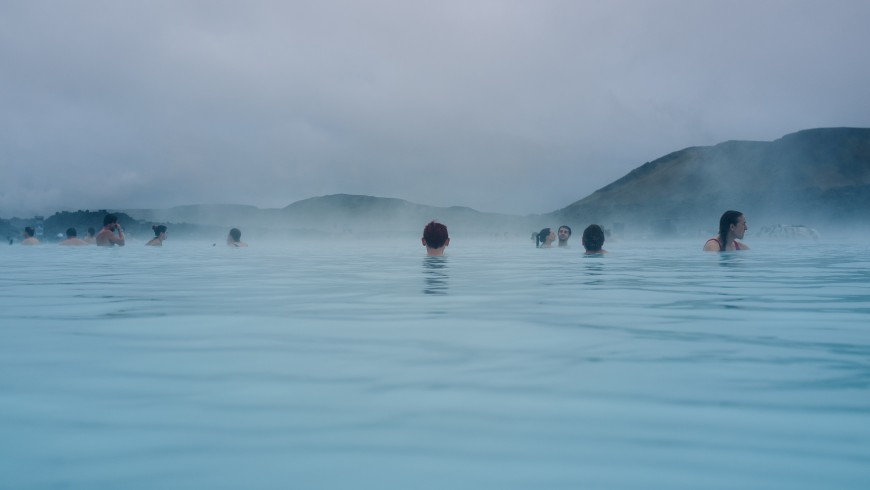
<point x="544" y="238"/>
<point x="732" y="226"/>
<point x="91" y="238"/>
<point x="159" y="236"/>
<point x="106" y="237"/>
<point x="435" y="239"/>
<point x="29" y="239"/>
<point x="593" y="240"/>
<point x="72" y="239"/>
<point x="234" y="238"/>
<point x="564" y="235"/>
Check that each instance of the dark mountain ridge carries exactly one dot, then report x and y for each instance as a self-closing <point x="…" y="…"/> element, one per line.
<point x="809" y="177"/>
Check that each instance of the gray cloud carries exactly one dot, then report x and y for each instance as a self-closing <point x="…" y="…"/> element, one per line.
<point x="503" y="106"/>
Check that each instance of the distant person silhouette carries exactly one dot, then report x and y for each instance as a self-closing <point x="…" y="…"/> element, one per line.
<point x="544" y="238"/>
<point x="564" y="235"/>
<point x="435" y="239"/>
<point x="159" y="236"/>
<point x="732" y="226"/>
<point x="91" y="238"/>
<point x="29" y="239"/>
<point x="72" y="239"/>
<point x="106" y="237"/>
<point x="234" y="238"/>
<point x="593" y="240"/>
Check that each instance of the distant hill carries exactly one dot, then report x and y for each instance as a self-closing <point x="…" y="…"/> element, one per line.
<point x="335" y="214"/>
<point x="813" y="177"/>
<point x="373" y="215"/>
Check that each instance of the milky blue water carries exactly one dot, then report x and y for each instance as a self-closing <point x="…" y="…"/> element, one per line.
<point x="362" y="364"/>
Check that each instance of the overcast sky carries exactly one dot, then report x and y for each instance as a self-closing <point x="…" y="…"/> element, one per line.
<point x="506" y="106"/>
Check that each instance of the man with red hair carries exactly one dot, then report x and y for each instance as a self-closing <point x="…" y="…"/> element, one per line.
<point x="435" y="239"/>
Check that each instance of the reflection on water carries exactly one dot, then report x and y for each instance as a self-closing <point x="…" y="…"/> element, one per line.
<point x="593" y="266"/>
<point x="435" y="275"/>
<point x="730" y="260"/>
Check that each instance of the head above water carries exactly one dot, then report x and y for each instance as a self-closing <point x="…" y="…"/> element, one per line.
<point x="28" y="231"/>
<point x="732" y="225"/>
<point x="593" y="238"/>
<point x="236" y="234"/>
<point x="564" y="234"/>
<point x="158" y="229"/>
<point x="435" y="235"/>
<point x="543" y="236"/>
<point x="71" y="233"/>
<point x="109" y="219"/>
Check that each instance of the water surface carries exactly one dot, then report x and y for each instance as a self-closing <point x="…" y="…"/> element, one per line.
<point x="366" y="365"/>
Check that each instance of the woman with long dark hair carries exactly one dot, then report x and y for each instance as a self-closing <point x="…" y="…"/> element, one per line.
<point x="544" y="238"/>
<point x="732" y="226"/>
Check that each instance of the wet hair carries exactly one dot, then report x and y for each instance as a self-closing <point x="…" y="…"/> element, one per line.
<point x="91" y="231"/>
<point x="236" y="234"/>
<point x="593" y="238"/>
<point x="109" y="219"/>
<point x="567" y="228"/>
<point x="71" y="233"/>
<point x="435" y="235"/>
<point x="728" y="218"/>
<point x="28" y="230"/>
<point x="541" y="237"/>
<point x="158" y="229"/>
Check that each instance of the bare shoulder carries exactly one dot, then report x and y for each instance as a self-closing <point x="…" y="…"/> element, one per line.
<point x="712" y="245"/>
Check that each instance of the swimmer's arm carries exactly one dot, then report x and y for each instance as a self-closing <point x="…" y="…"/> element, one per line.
<point x="118" y="240"/>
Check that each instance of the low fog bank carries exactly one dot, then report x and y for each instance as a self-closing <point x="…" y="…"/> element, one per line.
<point x="325" y="218"/>
<point x="271" y="227"/>
<point x="341" y="215"/>
<point x="801" y="218"/>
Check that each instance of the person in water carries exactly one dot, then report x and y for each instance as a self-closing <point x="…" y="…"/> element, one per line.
<point x="732" y="226"/>
<point x="72" y="239"/>
<point x="106" y="237"/>
<point x="159" y="236"/>
<point x="234" y="239"/>
<point x="435" y="239"/>
<point x="29" y="239"/>
<point x="544" y="238"/>
<point x="593" y="240"/>
<point x="91" y="238"/>
<point x="564" y="235"/>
